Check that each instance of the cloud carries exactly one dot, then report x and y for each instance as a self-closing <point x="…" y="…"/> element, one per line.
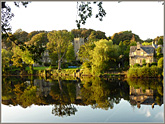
<point x="148" y="114"/>
<point x="145" y="111"/>
<point x="159" y="115"/>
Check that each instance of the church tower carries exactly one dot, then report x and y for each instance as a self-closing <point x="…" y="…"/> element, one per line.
<point x="77" y="43"/>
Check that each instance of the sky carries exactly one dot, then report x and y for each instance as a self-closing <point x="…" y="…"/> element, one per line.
<point x="121" y="113"/>
<point x="145" y="19"/>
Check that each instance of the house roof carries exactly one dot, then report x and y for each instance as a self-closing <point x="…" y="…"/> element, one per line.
<point x="148" y="49"/>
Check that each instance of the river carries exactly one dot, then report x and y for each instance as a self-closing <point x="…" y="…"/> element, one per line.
<point x="88" y="99"/>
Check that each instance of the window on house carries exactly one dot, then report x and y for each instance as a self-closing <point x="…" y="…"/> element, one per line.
<point x="136" y="60"/>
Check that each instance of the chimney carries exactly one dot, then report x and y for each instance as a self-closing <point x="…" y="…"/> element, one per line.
<point x="138" y="45"/>
<point x="153" y="44"/>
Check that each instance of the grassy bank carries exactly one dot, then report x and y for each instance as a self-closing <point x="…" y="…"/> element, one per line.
<point x="68" y="71"/>
<point x="49" y="71"/>
<point x="38" y="68"/>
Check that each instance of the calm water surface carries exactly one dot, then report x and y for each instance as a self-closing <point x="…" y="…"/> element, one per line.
<point x="54" y="100"/>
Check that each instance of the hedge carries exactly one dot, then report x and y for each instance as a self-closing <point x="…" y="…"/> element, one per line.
<point x="145" y="72"/>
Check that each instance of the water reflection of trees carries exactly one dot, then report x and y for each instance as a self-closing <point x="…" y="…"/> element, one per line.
<point x="103" y="93"/>
<point x="64" y="95"/>
<point x="148" y="91"/>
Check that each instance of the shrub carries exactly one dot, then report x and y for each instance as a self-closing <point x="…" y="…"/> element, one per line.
<point x="132" y="72"/>
<point x="153" y="64"/>
<point x="47" y="64"/>
<point x="154" y="71"/>
<point x="143" y="62"/>
<point x="54" y="67"/>
<point x="145" y="72"/>
<point x="160" y="62"/>
<point x="86" y="65"/>
<point x="136" y="65"/>
<point x="64" y="65"/>
<point x="148" y="65"/>
<point x="163" y="72"/>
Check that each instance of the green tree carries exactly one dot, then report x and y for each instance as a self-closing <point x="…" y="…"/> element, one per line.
<point x="147" y="43"/>
<point x="6" y="58"/>
<point x="84" y="52"/>
<point x="58" y="42"/>
<point x="133" y="43"/>
<point x="31" y="34"/>
<point x="16" y="58"/>
<point x="76" y="32"/>
<point x="21" y="56"/>
<point x="96" y="36"/>
<point x="85" y="33"/>
<point x="125" y="35"/>
<point x="160" y="62"/>
<point x="159" y="53"/>
<point x="39" y="40"/>
<point x="159" y="39"/>
<point x="92" y="37"/>
<point x="103" y="55"/>
<point x="53" y="57"/>
<point x="37" y="46"/>
<point x="70" y="55"/>
<point x="6" y="43"/>
<point x="148" y="40"/>
<point x="21" y="36"/>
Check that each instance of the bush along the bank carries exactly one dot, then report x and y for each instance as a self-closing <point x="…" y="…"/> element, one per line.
<point x="153" y="64"/>
<point x="136" y="65"/>
<point x="145" y="72"/>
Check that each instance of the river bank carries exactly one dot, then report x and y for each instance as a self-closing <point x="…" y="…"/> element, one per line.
<point x="75" y="72"/>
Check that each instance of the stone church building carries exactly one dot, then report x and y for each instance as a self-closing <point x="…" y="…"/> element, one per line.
<point x="77" y="43"/>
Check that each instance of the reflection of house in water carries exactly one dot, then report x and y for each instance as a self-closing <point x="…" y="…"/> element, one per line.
<point x="43" y="87"/>
<point x="139" y="96"/>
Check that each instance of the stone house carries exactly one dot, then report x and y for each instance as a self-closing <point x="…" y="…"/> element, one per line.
<point x="45" y="59"/>
<point x="139" y="53"/>
<point x="138" y="97"/>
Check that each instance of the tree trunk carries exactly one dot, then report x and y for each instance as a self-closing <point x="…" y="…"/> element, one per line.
<point x="59" y="59"/>
<point x="59" y="64"/>
<point x="60" y="84"/>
